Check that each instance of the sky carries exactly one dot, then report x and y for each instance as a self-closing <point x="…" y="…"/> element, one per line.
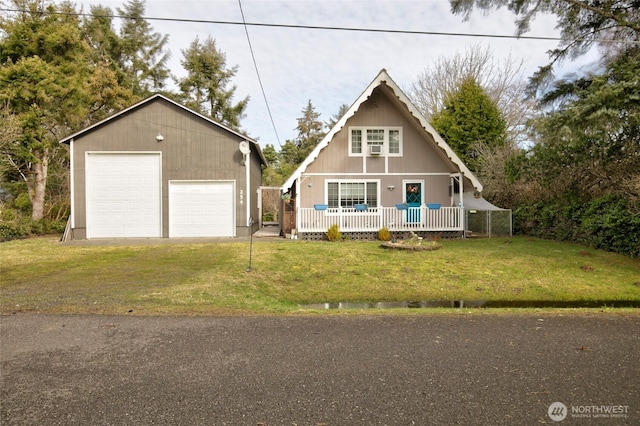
<point x="328" y="67"/>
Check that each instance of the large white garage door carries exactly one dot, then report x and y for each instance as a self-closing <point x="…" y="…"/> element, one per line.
<point x="123" y="195"/>
<point x="201" y="209"/>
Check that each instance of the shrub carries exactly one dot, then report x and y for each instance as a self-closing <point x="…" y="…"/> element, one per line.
<point x="268" y="217"/>
<point x="9" y="231"/>
<point x="7" y="215"/>
<point x="23" y="202"/>
<point x="25" y="227"/>
<point x="333" y="233"/>
<point x="609" y="223"/>
<point x="384" y="234"/>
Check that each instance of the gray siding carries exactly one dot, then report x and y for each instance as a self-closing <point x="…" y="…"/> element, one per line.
<point x="421" y="157"/>
<point x="192" y="149"/>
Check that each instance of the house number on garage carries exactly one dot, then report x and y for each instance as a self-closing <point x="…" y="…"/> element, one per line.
<point x="241" y="197"/>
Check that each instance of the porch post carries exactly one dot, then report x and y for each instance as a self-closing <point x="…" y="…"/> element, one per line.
<point x="296" y="204"/>
<point x="461" y="213"/>
<point x="461" y="179"/>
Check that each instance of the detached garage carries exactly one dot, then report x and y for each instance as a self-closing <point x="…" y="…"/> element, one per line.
<point x="158" y="169"/>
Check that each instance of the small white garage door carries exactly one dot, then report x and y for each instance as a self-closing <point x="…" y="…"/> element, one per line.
<point x="123" y="195"/>
<point x="201" y="209"/>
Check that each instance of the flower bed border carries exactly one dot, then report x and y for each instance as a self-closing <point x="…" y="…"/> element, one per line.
<point x="410" y="247"/>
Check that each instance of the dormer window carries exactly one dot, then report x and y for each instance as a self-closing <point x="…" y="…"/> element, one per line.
<point x="375" y="141"/>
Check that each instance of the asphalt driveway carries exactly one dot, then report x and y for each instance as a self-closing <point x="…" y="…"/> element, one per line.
<point x="334" y="370"/>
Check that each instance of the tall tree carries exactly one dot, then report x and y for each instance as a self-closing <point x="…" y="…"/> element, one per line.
<point x="44" y="67"/>
<point x="580" y="180"/>
<point x="337" y="116"/>
<point x="589" y="144"/>
<point x="582" y="24"/>
<point x="503" y="82"/>
<point x="470" y="120"/>
<point x="50" y="85"/>
<point x="205" y="88"/>
<point x="109" y="88"/>
<point x="141" y="51"/>
<point x="270" y="175"/>
<point x="104" y="42"/>
<point x="310" y="132"/>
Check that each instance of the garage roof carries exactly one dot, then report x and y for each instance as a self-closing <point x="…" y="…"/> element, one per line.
<point x="159" y="96"/>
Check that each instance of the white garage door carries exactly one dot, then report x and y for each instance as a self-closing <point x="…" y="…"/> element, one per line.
<point x="201" y="209"/>
<point x="123" y="195"/>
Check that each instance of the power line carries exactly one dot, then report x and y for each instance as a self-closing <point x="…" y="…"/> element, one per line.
<point x="255" y="64"/>
<point x="329" y="28"/>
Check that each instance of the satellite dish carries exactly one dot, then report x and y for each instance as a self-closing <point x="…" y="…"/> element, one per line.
<point x="244" y="147"/>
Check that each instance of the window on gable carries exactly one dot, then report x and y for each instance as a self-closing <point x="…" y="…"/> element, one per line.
<point x="348" y="194"/>
<point x="356" y="141"/>
<point x="375" y="137"/>
<point x="361" y="138"/>
<point x="394" y="141"/>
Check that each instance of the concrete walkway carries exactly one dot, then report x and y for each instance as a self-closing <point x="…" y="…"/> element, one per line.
<point x="265" y="233"/>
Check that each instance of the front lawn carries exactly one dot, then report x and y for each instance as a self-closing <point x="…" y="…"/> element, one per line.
<point x="42" y="275"/>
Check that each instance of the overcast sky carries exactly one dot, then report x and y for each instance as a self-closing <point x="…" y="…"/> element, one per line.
<point x="329" y="67"/>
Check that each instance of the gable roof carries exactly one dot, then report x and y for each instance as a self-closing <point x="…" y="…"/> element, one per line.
<point x="383" y="77"/>
<point x="159" y="96"/>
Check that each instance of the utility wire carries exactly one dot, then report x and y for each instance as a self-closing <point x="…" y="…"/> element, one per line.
<point x="352" y="29"/>
<point x="255" y="64"/>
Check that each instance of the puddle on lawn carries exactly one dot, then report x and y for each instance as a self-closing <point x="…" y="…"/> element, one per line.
<point x="478" y="304"/>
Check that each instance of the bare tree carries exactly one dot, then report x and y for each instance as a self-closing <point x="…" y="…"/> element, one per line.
<point x="503" y="82"/>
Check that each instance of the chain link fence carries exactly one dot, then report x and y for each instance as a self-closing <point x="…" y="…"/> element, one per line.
<point x="489" y="223"/>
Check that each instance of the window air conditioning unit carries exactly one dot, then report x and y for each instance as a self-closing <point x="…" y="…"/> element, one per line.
<point x="375" y="149"/>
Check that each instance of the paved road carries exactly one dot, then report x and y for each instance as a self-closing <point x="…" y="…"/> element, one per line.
<point x="338" y="370"/>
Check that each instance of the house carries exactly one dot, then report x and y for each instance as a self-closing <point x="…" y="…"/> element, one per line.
<point x="381" y="165"/>
<point x="158" y="169"/>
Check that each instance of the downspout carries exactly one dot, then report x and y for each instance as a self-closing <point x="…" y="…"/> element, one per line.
<point x="247" y="161"/>
<point x="72" y="216"/>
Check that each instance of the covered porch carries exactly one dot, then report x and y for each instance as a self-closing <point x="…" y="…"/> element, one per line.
<point x="399" y="218"/>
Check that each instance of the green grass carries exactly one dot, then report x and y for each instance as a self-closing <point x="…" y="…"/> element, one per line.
<point x="41" y="275"/>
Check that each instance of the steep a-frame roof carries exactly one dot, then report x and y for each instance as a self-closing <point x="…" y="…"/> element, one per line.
<point x="159" y="96"/>
<point x="384" y="78"/>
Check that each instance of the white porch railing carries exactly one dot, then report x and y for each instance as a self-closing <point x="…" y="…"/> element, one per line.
<point x="371" y="220"/>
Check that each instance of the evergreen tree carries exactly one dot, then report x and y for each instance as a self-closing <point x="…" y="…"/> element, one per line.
<point x="50" y="86"/>
<point x="310" y="132"/>
<point x="43" y="68"/>
<point x="582" y="24"/>
<point x="141" y="52"/>
<point x="270" y="176"/>
<point x="580" y="181"/>
<point x="589" y="144"/>
<point x="337" y="116"/>
<point x="502" y="81"/>
<point x="470" y="121"/>
<point x="204" y="89"/>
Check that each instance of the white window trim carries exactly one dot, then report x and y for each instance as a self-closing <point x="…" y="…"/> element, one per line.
<point x="365" y="145"/>
<point x="339" y="181"/>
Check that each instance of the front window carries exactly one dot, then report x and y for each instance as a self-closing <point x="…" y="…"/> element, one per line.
<point x="362" y="138"/>
<point x="349" y="193"/>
